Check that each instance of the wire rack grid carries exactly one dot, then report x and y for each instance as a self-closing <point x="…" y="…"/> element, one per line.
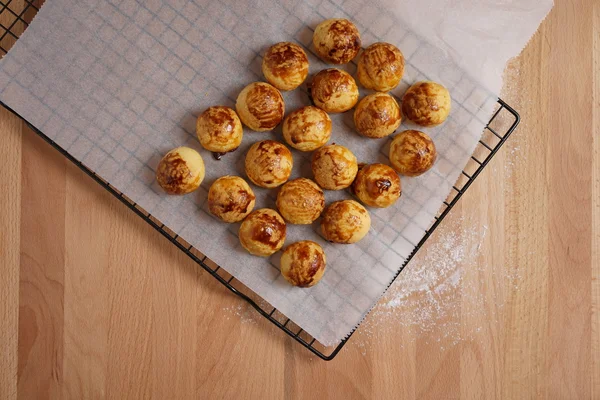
<point x="15" y="16"/>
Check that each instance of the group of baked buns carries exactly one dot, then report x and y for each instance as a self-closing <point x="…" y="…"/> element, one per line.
<point x="268" y="163"/>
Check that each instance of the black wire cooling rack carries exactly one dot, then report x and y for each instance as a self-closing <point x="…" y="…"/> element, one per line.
<point x="15" y="16"/>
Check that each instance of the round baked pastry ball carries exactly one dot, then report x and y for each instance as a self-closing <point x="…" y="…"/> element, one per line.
<point x="377" y="185"/>
<point x="230" y="199"/>
<point x="307" y="129"/>
<point x="345" y="221"/>
<point x="426" y="103"/>
<point x="303" y="263"/>
<point x="300" y="201"/>
<point x="260" y="106"/>
<point x="380" y="67"/>
<point x="334" y="90"/>
<point x="412" y="153"/>
<point x="337" y="41"/>
<point x="285" y="65"/>
<point x="219" y="129"/>
<point x="334" y="167"/>
<point x="268" y="163"/>
<point x="377" y="115"/>
<point x="263" y="232"/>
<point x="180" y="171"/>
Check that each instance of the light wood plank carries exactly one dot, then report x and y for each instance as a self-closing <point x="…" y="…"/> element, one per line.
<point x="10" y="204"/>
<point x="86" y="315"/>
<point x="570" y="156"/>
<point x="596" y="208"/>
<point x="42" y="271"/>
<point x="526" y="234"/>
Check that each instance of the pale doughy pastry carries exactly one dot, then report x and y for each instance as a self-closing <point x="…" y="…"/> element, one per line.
<point x="377" y="185"/>
<point x="334" y="90"/>
<point x="337" y="41"/>
<point x="263" y="232"/>
<point x="412" y="153"/>
<point x="377" y="115"/>
<point x="285" y="65"/>
<point x="307" y="128"/>
<point x="380" y="67"/>
<point x="219" y="129"/>
<point x="426" y="103"/>
<point x="260" y="106"/>
<point x="300" y="201"/>
<point x="334" y="167"/>
<point x="268" y="163"/>
<point x="230" y="199"/>
<point x="180" y="171"/>
<point x="345" y="221"/>
<point x="303" y="263"/>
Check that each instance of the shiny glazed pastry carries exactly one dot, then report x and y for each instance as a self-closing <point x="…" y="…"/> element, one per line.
<point x="300" y="201"/>
<point x="334" y="167"/>
<point x="337" y="41"/>
<point x="180" y="171"/>
<point x="377" y="115"/>
<point x="263" y="232"/>
<point x="307" y="128"/>
<point x="380" y="67"/>
<point x="303" y="263"/>
<point x="285" y="65"/>
<point x="345" y="221"/>
<point x="334" y="90"/>
<point x="230" y="199"/>
<point x="268" y="163"/>
<point x="426" y="103"/>
<point x="219" y="129"/>
<point x="260" y="106"/>
<point x="412" y="153"/>
<point x="377" y="185"/>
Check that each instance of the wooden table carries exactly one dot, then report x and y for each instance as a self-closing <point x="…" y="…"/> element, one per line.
<point x="94" y="303"/>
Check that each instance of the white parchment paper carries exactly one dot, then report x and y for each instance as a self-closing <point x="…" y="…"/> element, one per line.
<point x="118" y="83"/>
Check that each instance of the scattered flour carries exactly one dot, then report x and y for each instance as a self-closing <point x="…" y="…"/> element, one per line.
<point x="243" y="311"/>
<point x="425" y="300"/>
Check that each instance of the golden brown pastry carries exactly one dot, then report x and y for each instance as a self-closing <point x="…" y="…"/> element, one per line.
<point x="230" y="199"/>
<point x="380" y="67"/>
<point x="307" y="128"/>
<point x="345" y="221"/>
<point x="260" y="106"/>
<point x="285" y="65"/>
<point x="334" y="90"/>
<point x="303" y="263"/>
<point x="377" y="185"/>
<point x="426" y="103"/>
<point x="300" y="201"/>
<point x="334" y="167"/>
<point x="180" y="171"/>
<point x="263" y="232"/>
<point x="377" y="115"/>
<point x="412" y="153"/>
<point x="219" y="130"/>
<point x="268" y="163"/>
<point x="337" y="41"/>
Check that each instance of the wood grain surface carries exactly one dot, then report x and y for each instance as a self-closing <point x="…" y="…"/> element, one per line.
<point x="95" y="304"/>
